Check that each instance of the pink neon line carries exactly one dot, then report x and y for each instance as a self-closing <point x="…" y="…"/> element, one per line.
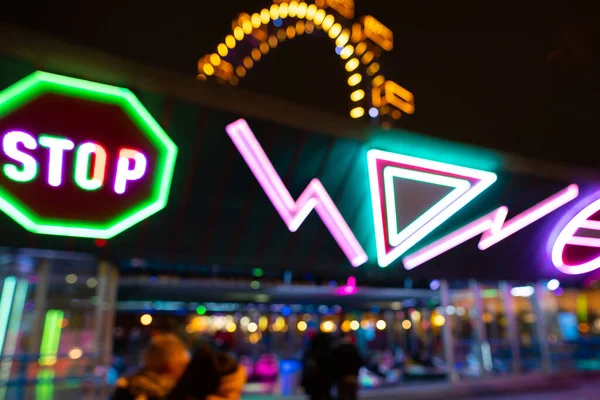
<point x="584" y="241"/>
<point x="492" y="227"/>
<point x="591" y="224"/>
<point x="451" y="240"/>
<point x="293" y="212"/>
<point x="501" y="230"/>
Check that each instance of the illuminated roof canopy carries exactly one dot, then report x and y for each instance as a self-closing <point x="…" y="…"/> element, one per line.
<point x="359" y="43"/>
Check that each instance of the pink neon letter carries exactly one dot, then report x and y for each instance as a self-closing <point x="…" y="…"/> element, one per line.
<point x="124" y="174"/>
<point x="293" y="212"/>
<point x="492" y="226"/>
<point x="567" y="237"/>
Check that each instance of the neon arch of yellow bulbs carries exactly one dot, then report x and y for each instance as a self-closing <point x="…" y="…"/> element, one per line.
<point x="358" y="43"/>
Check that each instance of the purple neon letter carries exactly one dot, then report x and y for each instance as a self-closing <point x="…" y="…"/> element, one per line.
<point x="293" y="212"/>
<point x="493" y="226"/>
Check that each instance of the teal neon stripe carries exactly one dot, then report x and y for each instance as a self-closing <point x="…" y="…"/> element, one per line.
<point x="14" y="325"/>
<point x="6" y="301"/>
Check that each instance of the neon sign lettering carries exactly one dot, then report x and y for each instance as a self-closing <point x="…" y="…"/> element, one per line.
<point x="293" y="212"/>
<point x="124" y="173"/>
<point x="57" y="146"/>
<point x="492" y="226"/>
<point x="82" y="166"/>
<point x="29" y="168"/>
<point x="391" y="244"/>
<point x="572" y="238"/>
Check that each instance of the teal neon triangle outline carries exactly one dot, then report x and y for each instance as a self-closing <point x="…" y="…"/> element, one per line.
<point x="384" y="257"/>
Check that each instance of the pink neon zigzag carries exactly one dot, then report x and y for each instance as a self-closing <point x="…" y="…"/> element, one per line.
<point x="493" y="227"/>
<point x="293" y="212"/>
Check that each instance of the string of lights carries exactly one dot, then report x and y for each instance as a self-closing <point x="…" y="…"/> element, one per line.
<point x="359" y="44"/>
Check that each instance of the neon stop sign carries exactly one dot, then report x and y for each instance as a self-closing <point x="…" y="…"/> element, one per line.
<point x="79" y="158"/>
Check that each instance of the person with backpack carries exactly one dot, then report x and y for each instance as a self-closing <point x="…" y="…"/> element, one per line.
<point x="318" y="368"/>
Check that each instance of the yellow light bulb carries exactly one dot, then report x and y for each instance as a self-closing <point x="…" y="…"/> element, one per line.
<point x="352" y="64"/>
<point x="302" y="326"/>
<point x="311" y="11"/>
<point x="309" y="27"/>
<point x="378" y="80"/>
<point x="355" y="79"/>
<point x="283" y="10"/>
<point x="265" y="16"/>
<point x="274" y="11"/>
<point x="146" y="319"/>
<point x="361" y="48"/>
<point x="355" y="325"/>
<point x="368" y="57"/>
<point x="256" y="54"/>
<point x="438" y="320"/>
<point x="290" y="32"/>
<point x="300" y="27"/>
<point x="208" y="69"/>
<point x="357" y="112"/>
<point x="238" y="32"/>
<point x="241" y="71"/>
<point x="343" y="38"/>
<point x="293" y="9"/>
<point x="320" y="16"/>
<point x="373" y="68"/>
<point x="357" y="95"/>
<point x="281" y="35"/>
<point x="301" y="11"/>
<point x="381" y="324"/>
<point x="256" y="22"/>
<point x="234" y="80"/>
<point x="230" y="41"/>
<point x="215" y="59"/>
<point x="335" y="30"/>
<point x="347" y="52"/>
<point x="222" y="49"/>
<point x="406" y="324"/>
<point x="247" y="27"/>
<point x="273" y="42"/>
<point x="248" y="63"/>
<point x="264" y="47"/>
<point x="328" y="22"/>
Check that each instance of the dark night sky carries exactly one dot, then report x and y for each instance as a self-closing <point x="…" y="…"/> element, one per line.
<point x="527" y="81"/>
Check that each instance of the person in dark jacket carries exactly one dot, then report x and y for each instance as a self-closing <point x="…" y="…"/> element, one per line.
<point x="317" y="372"/>
<point x="347" y="366"/>
<point x="164" y="362"/>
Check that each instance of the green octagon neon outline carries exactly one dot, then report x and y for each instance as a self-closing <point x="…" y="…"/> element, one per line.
<point x="38" y="83"/>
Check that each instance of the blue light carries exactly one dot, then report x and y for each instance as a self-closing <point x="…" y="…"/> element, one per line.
<point x="434" y="285"/>
<point x="278" y="22"/>
<point x="286" y="311"/>
<point x="373" y="112"/>
<point x="338" y="50"/>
